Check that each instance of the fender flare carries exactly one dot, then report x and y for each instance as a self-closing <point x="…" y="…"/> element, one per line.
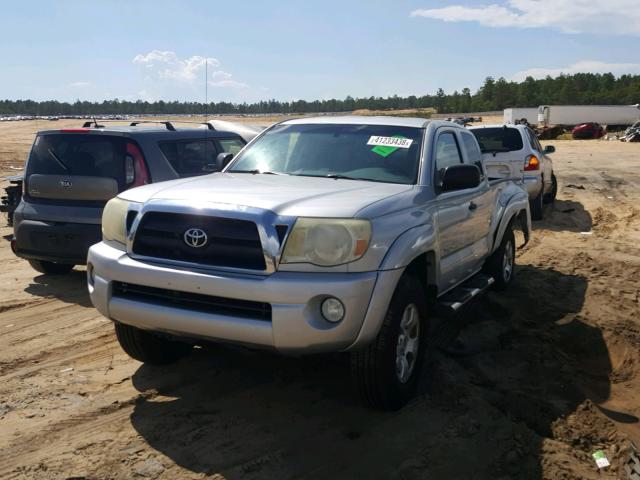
<point x="407" y="247"/>
<point x="517" y="208"/>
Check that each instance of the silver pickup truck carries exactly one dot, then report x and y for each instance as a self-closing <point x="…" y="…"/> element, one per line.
<point x="322" y="235"/>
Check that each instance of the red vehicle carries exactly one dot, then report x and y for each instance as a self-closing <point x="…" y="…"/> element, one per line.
<point x="587" y="131"/>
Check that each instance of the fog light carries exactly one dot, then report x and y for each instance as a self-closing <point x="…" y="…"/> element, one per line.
<point x="332" y="310"/>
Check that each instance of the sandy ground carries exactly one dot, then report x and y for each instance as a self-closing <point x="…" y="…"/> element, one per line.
<point x="550" y="374"/>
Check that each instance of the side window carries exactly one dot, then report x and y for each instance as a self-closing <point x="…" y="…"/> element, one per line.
<point x="538" y="145"/>
<point x="231" y="145"/>
<point x="447" y="152"/>
<point x="533" y="140"/>
<point x="190" y="157"/>
<point x="474" y="155"/>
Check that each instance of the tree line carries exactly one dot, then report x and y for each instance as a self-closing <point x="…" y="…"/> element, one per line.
<point x="578" y="89"/>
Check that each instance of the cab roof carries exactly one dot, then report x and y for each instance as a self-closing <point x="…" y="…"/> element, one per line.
<point x="361" y="120"/>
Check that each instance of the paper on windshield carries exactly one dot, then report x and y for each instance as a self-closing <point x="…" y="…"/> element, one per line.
<point x="385" y="146"/>
<point x="395" y="142"/>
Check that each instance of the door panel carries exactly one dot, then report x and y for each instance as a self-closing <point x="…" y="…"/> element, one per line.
<point x="480" y="224"/>
<point x="483" y="200"/>
<point x="457" y="217"/>
<point x="456" y="236"/>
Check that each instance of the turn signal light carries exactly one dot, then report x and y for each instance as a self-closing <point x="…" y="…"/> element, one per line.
<point x="531" y="163"/>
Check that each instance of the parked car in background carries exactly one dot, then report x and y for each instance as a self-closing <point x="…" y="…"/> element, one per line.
<point x="72" y="173"/>
<point x="632" y="134"/>
<point x="10" y="200"/>
<point x="587" y="131"/>
<point x="324" y="234"/>
<point x="515" y="151"/>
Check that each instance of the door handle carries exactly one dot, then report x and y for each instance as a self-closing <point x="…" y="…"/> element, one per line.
<point x="472" y="206"/>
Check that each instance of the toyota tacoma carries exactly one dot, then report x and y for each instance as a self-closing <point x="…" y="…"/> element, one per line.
<point x="323" y="234"/>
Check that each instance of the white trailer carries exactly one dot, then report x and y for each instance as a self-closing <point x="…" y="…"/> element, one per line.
<point x="576" y="114"/>
<point x="515" y="115"/>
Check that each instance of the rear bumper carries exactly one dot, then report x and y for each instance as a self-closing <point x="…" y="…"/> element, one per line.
<point x="55" y="241"/>
<point x="533" y="185"/>
<point x="295" y="325"/>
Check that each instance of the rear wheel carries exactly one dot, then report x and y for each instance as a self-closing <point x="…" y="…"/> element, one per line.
<point x="386" y="372"/>
<point x="537" y="205"/>
<point x="148" y="347"/>
<point x="50" y="268"/>
<point x="500" y="265"/>
<point x="551" y="196"/>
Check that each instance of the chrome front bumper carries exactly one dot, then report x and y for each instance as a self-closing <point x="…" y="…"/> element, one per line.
<point x="296" y="325"/>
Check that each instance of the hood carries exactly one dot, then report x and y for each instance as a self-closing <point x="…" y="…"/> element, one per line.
<point x="282" y="194"/>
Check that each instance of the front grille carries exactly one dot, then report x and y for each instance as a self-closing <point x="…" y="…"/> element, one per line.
<point x="231" y="242"/>
<point x="193" y="301"/>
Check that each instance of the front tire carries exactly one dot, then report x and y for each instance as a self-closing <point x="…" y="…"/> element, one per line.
<point x="501" y="264"/>
<point x="148" y="347"/>
<point x="387" y="371"/>
<point x="50" y="268"/>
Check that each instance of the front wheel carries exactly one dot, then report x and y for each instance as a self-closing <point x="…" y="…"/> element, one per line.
<point x="50" y="268"/>
<point x="386" y="372"/>
<point x="148" y="347"/>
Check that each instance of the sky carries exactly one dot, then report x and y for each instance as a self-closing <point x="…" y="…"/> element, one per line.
<point x="290" y="50"/>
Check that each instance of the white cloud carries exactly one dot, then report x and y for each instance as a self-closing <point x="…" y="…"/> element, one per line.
<point x="79" y="84"/>
<point x="167" y="65"/>
<point x="584" y="66"/>
<point x="221" y="78"/>
<point x="617" y="17"/>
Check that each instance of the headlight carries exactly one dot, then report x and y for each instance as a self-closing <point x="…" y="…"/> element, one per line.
<point x="327" y="242"/>
<point x="114" y="220"/>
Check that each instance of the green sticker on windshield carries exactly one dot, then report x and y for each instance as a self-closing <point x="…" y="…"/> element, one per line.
<point x="385" y="146"/>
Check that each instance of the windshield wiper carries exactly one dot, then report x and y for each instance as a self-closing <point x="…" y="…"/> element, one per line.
<point x="57" y="159"/>
<point x="338" y="176"/>
<point x="256" y="171"/>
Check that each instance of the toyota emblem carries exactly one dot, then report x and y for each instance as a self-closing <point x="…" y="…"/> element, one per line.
<point x="195" y="237"/>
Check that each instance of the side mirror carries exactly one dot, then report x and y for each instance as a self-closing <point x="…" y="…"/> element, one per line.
<point x="459" y="177"/>
<point x="549" y="149"/>
<point x="223" y="159"/>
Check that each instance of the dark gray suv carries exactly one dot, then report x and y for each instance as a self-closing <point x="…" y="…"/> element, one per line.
<point x="71" y="174"/>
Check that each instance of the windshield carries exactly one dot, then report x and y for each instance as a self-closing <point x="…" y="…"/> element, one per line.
<point x="498" y="139"/>
<point x="69" y="154"/>
<point x="377" y="153"/>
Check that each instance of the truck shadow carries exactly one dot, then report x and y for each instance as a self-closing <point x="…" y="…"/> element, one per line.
<point x="530" y="360"/>
<point x="565" y="215"/>
<point x="70" y="287"/>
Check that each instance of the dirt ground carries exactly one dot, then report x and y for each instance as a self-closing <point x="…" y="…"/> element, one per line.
<point x="550" y="371"/>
